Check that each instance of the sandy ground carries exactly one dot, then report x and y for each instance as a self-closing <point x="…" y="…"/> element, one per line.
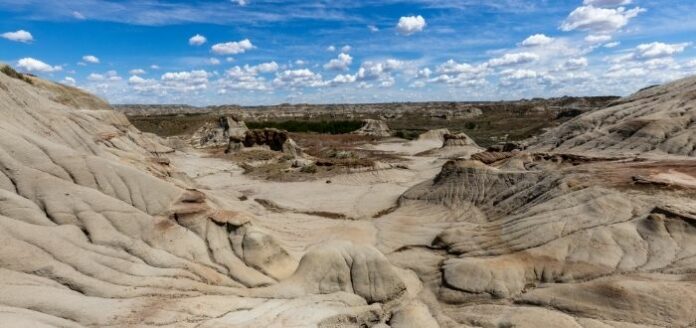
<point x="342" y="209"/>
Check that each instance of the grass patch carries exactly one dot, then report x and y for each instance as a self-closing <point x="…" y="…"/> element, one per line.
<point x="323" y="127"/>
<point x="171" y="125"/>
<point x="9" y="71"/>
<point x="408" y="134"/>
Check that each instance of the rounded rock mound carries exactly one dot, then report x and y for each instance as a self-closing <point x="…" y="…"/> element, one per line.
<point x="341" y="266"/>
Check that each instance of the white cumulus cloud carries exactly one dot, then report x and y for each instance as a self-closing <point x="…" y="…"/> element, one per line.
<point x="659" y="50"/>
<point x="574" y="64"/>
<point x="298" y="78"/>
<point x="247" y="77"/>
<point x="424" y="73"/>
<point x="69" y="81"/>
<point x="410" y="24"/>
<point x="343" y="79"/>
<point x="113" y="76"/>
<point x="597" y="38"/>
<point x="599" y="20"/>
<point x="513" y="59"/>
<point x="34" y="65"/>
<point x="453" y="67"/>
<point x="197" y="40"/>
<point x="142" y="85"/>
<point x="185" y="81"/>
<point x="18" y="36"/>
<point x="341" y="63"/>
<point x="136" y="80"/>
<point x="137" y="71"/>
<point x="537" y="40"/>
<point x="232" y="48"/>
<point x="95" y="77"/>
<point x="238" y="78"/>
<point x="514" y="76"/>
<point x="519" y="74"/>
<point x="268" y="67"/>
<point x="454" y="73"/>
<point x="371" y="70"/>
<point x="90" y="59"/>
<point x="606" y="3"/>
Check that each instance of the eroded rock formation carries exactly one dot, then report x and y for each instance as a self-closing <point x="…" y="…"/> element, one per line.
<point x="219" y="133"/>
<point x="102" y="225"/>
<point x="276" y="140"/>
<point x="97" y="231"/>
<point x="659" y="120"/>
<point x="457" y="145"/>
<point x="455" y="140"/>
<point x="374" y="128"/>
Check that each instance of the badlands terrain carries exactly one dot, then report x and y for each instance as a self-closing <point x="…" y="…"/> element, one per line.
<point x="590" y="221"/>
<point x="489" y="122"/>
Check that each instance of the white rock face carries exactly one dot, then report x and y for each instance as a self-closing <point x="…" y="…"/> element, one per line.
<point x="658" y="121"/>
<point x="96" y="232"/>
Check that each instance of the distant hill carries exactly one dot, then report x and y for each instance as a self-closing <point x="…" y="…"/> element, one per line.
<point x="486" y="122"/>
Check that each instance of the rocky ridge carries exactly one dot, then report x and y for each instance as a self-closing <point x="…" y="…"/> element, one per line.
<point x="660" y="120"/>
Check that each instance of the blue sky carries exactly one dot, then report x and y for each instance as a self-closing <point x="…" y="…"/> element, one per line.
<point x="274" y="51"/>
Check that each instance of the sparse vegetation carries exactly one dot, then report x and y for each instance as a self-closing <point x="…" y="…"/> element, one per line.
<point x="323" y="127"/>
<point x="407" y="134"/>
<point x="309" y="169"/>
<point x="171" y="125"/>
<point x="498" y="121"/>
<point x="9" y="71"/>
<point x="331" y="154"/>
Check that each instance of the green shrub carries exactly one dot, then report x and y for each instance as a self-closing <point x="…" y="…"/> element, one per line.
<point x="9" y="71"/>
<point x="324" y="127"/>
<point x="406" y="134"/>
<point x="309" y="169"/>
